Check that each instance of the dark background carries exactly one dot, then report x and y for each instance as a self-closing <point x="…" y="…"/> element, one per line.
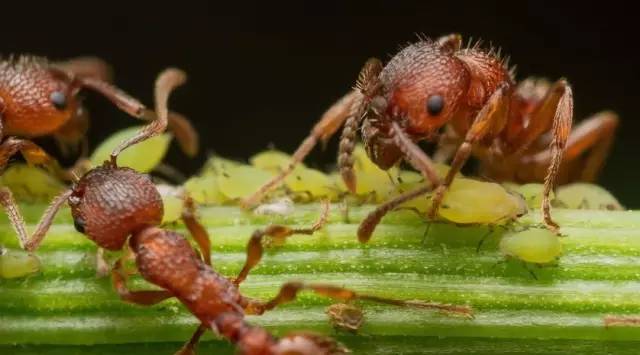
<point x="262" y="73"/>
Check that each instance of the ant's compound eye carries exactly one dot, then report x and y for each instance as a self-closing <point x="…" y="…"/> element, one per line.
<point x="435" y="104"/>
<point x="79" y="223"/>
<point x="59" y="100"/>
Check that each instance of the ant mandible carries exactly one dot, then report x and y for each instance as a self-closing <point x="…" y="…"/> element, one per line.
<point x="39" y="98"/>
<point x="112" y="204"/>
<point x="519" y="132"/>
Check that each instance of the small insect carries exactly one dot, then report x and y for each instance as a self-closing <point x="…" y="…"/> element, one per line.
<point x="533" y="245"/>
<point x="114" y="205"/>
<point x="40" y="98"/>
<point x="345" y="316"/>
<point x="520" y="132"/>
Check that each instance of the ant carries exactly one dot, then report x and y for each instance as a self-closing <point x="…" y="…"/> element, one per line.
<point x="40" y="98"/>
<point x="518" y="131"/>
<point x="112" y="205"/>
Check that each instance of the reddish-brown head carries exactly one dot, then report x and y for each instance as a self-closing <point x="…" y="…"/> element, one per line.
<point x="108" y="204"/>
<point x="35" y="98"/>
<point x="421" y="88"/>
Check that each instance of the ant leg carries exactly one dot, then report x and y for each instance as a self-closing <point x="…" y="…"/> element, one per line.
<point x="596" y="134"/>
<point x="369" y="224"/>
<point x="185" y="133"/>
<point x="289" y="291"/>
<point x="32" y="153"/>
<point x="17" y="222"/>
<point x="621" y="321"/>
<point x="414" y="155"/>
<point x="280" y="232"/>
<point x="166" y="82"/>
<point x="196" y="229"/>
<point x="495" y="109"/>
<point x="555" y="111"/>
<point x="145" y="298"/>
<point x="328" y="124"/>
<point x="190" y="347"/>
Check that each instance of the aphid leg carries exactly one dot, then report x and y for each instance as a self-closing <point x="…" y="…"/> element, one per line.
<point x="189" y="348"/>
<point x="329" y="123"/>
<point x="196" y="229"/>
<point x="255" y="248"/>
<point x="289" y="291"/>
<point x="494" y="110"/>
<point x="146" y="298"/>
<point x="594" y="134"/>
<point x="484" y="238"/>
<point x="17" y="222"/>
<point x="166" y="82"/>
<point x="368" y="225"/>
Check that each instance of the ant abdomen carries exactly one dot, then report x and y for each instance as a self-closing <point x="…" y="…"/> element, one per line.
<point x="110" y="203"/>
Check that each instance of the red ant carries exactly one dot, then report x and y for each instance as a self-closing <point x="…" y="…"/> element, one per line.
<point x="519" y="132"/>
<point x="39" y="98"/>
<point x="111" y="205"/>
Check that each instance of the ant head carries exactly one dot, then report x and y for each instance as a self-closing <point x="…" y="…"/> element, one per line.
<point x="423" y="86"/>
<point x="38" y="99"/>
<point x="109" y="203"/>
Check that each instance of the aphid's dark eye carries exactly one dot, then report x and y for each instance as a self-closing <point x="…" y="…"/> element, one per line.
<point x="59" y="100"/>
<point x="435" y="104"/>
<point x="79" y="223"/>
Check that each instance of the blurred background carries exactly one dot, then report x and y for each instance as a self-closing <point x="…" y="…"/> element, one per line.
<point x="261" y="74"/>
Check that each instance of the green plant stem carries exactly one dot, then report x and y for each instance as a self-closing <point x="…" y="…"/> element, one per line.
<point x="598" y="274"/>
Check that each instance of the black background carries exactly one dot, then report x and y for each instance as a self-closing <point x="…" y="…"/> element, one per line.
<point x="262" y="73"/>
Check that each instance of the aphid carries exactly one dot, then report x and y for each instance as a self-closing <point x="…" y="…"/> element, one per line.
<point x="586" y="196"/>
<point x="114" y="205"/>
<point x="345" y="316"/>
<point x="534" y="245"/>
<point x="39" y="98"/>
<point x="519" y="132"/>
<point x="14" y="263"/>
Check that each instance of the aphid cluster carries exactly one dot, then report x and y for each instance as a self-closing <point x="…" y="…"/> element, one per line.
<point x="465" y="99"/>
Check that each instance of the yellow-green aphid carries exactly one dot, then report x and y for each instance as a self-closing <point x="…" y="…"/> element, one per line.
<point x="534" y="245"/>
<point x="215" y="165"/>
<point x="240" y="181"/>
<point x="142" y="157"/>
<point x="17" y="263"/>
<point x="204" y="190"/>
<point x="371" y="180"/>
<point x="272" y="160"/>
<point x="312" y="182"/>
<point x="172" y="201"/>
<point x="469" y="201"/>
<point x="586" y="196"/>
<point x="31" y="184"/>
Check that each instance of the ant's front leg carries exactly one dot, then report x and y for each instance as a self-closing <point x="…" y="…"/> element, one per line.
<point x="255" y="249"/>
<point x="119" y="278"/>
<point x="493" y="111"/>
<point x="197" y="230"/>
<point x="555" y="111"/>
